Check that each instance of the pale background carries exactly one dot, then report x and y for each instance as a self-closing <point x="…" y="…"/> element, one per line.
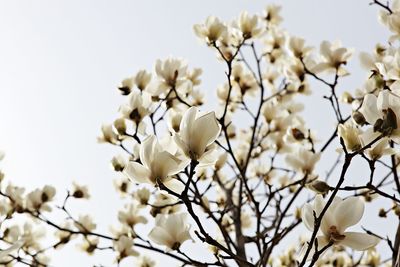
<point x="60" y="63"/>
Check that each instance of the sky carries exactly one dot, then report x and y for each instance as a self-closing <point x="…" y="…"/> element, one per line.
<point x="61" y="62"/>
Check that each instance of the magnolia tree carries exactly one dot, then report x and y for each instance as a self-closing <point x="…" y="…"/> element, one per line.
<point x="241" y="180"/>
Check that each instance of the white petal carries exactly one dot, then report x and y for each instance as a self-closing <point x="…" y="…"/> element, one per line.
<point x="328" y="220"/>
<point x="137" y="172"/>
<point x="387" y="99"/>
<point x="307" y="216"/>
<point x="181" y="144"/>
<point x="165" y="165"/>
<point x="174" y="185"/>
<point x="325" y="49"/>
<point x="209" y="157"/>
<point x="147" y="150"/>
<point x="369" y="109"/>
<point x="186" y="125"/>
<point x="348" y="213"/>
<point x="160" y="236"/>
<point x="205" y="131"/>
<point x="366" y="61"/>
<point x="359" y="241"/>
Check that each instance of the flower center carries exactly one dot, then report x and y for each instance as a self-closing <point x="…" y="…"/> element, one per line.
<point x="334" y="234"/>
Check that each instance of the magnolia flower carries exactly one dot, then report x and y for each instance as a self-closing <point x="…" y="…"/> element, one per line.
<point x="126" y="86"/>
<point x="124" y="247"/>
<point x="303" y="160"/>
<point x="383" y="113"/>
<point x="380" y="149"/>
<point x="158" y="165"/>
<point x="142" y="195"/>
<point x="174" y="117"/>
<point x="211" y="30"/>
<point x="170" y="231"/>
<point x="340" y="215"/>
<point x="244" y="81"/>
<point x="80" y="191"/>
<point x="5" y="252"/>
<point x="248" y="25"/>
<point x="130" y="216"/>
<point x="89" y="244"/>
<point x="298" y="48"/>
<point x="85" y="224"/>
<point x="138" y="107"/>
<point x="392" y="19"/>
<point x="108" y="135"/>
<point x="171" y="73"/>
<point x="37" y="199"/>
<point x="32" y="234"/>
<point x="64" y="237"/>
<point x="350" y="136"/>
<point x="197" y="134"/>
<point x="271" y="15"/>
<point x="142" y="79"/>
<point x="333" y="57"/>
<point x="164" y="203"/>
<point x="145" y="261"/>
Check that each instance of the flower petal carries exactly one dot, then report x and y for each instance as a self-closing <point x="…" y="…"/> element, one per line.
<point x="369" y="108"/>
<point x="147" y="150"/>
<point x="307" y="216"/>
<point x="206" y="129"/>
<point x="348" y="213"/>
<point x="328" y="220"/>
<point x="359" y="241"/>
<point x="137" y="172"/>
<point x="186" y="125"/>
<point x="181" y="144"/>
<point x="160" y="236"/>
<point x="165" y="164"/>
<point x="174" y="185"/>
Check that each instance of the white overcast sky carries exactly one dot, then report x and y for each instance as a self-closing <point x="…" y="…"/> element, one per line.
<point x="60" y="63"/>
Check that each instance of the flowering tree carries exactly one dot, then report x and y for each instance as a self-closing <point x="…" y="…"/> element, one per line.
<point x="243" y="179"/>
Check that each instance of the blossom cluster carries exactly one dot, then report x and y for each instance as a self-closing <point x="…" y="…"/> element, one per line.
<point x="243" y="178"/>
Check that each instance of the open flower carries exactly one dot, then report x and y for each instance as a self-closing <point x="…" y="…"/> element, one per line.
<point x="248" y="25"/>
<point x="171" y="73"/>
<point x="383" y="113"/>
<point x="333" y="56"/>
<point x="137" y="108"/>
<point x="197" y="134"/>
<point x="130" y="216"/>
<point x="158" y="164"/>
<point x="124" y="247"/>
<point x="340" y="215"/>
<point x="303" y="160"/>
<point x="170" y="230"/>
<point x="211" y="30"/>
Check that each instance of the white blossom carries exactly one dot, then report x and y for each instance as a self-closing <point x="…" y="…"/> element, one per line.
<point x="197" y="134"/>
<point x="303" y="160"/>
<point x="170" y="230"/>
<point x="211" y="30"/>
<point x="158" y="166"/>
<point x="340" y="215"/>
<point x="383" y="112"/>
